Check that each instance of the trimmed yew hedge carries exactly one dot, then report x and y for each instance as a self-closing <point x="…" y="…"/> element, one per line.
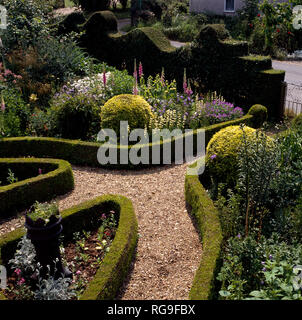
<point x="207" y="218"/>
<point x="85" y="153"/>
<point x="20" y="195"/>
<point x="214" y="61"/>
<point x="116" y="263"/>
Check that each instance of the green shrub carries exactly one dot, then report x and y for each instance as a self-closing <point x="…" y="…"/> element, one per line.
<point x="181" y="27"/>
<point x="126" y="107"/>
<point x="16" y="106"/>
<point x="297" y="122"/>
<point x="213" y="33"/>
<point x="9" y="124"/>
<point x="261" y="264"/>
<point x="99" y="23"/>
<point x="222" y="152"/>
<point x="28" y="21"/>
<point x="62" y="58"/>
<point x="259" y="113"/>
<point x="40" y="124"/>
<point x="76" y="117"/>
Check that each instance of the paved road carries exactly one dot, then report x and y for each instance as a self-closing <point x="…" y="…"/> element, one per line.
<point x="293" y="71"/>
<point x="293" y="77"/>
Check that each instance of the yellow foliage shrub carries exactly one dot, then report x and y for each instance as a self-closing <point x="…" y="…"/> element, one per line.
<point x="126" y="107"/>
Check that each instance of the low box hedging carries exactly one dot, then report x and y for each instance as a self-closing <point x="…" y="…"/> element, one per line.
<point x="42" y="187"/>
<point x="85" y="153"/>
<point x="207" y="218"/>
<point x="116" y="263"/>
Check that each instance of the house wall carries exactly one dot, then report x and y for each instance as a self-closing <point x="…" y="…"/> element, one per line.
<point x="212" y="6"/>
<point x="216" y="6"/>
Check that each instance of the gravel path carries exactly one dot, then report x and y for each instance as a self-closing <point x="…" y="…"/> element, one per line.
<point x="169" y="249"/>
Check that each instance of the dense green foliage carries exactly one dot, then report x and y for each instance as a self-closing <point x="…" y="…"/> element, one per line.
<point x="261" y="219"/>
<point x="75" y="117"/>
<point x="28" y="21"/>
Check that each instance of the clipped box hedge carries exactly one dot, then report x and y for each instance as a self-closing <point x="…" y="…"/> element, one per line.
<point x="20" y="195"/>
<point x="116" y="264"/>
<point x="85" y="153"/>
<point x="207" y="217"/>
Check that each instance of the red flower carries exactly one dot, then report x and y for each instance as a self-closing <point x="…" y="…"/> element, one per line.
<point x="278" y="30"/>
<point x="258" y="15"/>
<point x="107" y="233"/>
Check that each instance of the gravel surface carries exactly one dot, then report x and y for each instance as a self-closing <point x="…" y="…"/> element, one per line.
<point x="169" y="248"/>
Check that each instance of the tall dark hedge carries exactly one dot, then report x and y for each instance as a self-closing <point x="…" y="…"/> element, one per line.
<point x="213" y="61"/>
<point x="94" y="5"/>
<point x="124" y="4"/>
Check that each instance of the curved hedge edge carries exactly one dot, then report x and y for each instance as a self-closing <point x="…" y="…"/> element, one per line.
<point x="22" y="194"/>
<point x="116" y="263"/>
<point x="85" y="153"/>
<point x="207" y="218"/>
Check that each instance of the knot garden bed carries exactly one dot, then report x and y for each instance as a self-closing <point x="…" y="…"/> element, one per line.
<point x="115" y="265"/>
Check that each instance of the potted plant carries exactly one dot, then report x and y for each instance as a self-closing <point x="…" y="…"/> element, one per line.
<point x="44" y="226"/>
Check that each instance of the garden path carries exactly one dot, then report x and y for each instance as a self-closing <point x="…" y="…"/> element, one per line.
<point x="169" y="249"/>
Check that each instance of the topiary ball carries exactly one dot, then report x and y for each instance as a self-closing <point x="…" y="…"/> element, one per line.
<point x="222" y="152"/>
<point x="259" y="113"/>
<point x="126" y="107"/>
